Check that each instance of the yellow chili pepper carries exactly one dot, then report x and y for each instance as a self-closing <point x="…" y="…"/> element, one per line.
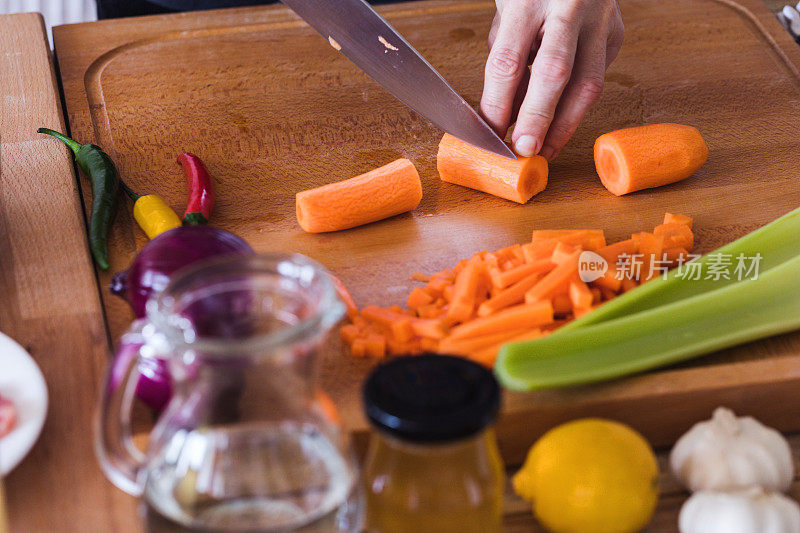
<point x="154" y="216"/>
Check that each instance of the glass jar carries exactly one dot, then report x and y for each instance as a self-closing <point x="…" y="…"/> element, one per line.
<point x="433" y="464"/>
<point x="247" y="441"/>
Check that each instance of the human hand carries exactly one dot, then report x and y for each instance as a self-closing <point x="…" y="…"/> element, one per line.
<point x="569" y="45"/>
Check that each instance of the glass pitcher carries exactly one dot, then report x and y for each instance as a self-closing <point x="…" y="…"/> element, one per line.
<point x="247" y="441"/>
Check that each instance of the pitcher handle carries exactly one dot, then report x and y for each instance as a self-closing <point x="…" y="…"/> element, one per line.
<point x="120" y="459"/>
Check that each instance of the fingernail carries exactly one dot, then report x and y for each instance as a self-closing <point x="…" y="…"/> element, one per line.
<point x="547" y="152"/>
<point x="526" y="145"/>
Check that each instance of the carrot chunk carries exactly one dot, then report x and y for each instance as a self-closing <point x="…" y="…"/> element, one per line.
<point x="501" y="280"/>
<point x="515" y="294"/>
<point x="462" y="304"/>
<point x="642" y="157"/>
<point x="418" y="297"/>
<point x="562" y="305"/>
<point x="349" y="333"/>
<point x="359" y="348"/>
<point x="557" y="280"/>
<point x="520" y="316"/>
<point x="375" y="346"/>
<point x="516" y="180"/>
<point x="580" y="295"/>
<point x="419" y="276"/>
<point x="670" y="218"/>
<point x="612" y="252"/>
<point x="381" y="193"/>
<point x="428" y="328"/>
<point x="676" y="235"/>
<point x="650" y="247"/>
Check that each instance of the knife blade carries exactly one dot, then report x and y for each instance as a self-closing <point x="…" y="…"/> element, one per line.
<point x="366" y="39"/>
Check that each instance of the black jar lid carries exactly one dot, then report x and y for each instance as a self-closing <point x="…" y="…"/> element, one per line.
<point x="431" y="398"/>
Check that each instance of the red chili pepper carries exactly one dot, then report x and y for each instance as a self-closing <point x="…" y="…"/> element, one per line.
<point x="201" y="190"/>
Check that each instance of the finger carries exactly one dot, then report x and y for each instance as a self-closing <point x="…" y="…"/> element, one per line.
<point x="549" y="75"/>
<point x="506" y="64"/>
<point x="493" y="29"/>
<point x="581" y="93"/>
<point x="615" y="39"/>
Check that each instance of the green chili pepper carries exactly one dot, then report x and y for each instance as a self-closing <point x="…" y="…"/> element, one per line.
<point x="102" y="173"/>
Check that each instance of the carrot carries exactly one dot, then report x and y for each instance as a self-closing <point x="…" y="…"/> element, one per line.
<point x="650" y="247"/>
<point x="418" y="297"/>
<point x="642" y="157"/>
<point x="597" y="296"/>
<point x="474" y="344"/>
<point x="399" y="324"/>
<point x="580" y="295"/>
<point x="501" y="280"/>
<point x="487" y="356"/>
<point x="670" y="218"/>
<point x="629" y="284"/>
<point x="349" y="333"/>
<point x="538" y="250"/>
<point x="563" y="252"/>
<point x="588" y="239"/>
<point x="428" y="328"/>
<point x="419" y="276"/>
<point x="676" y="235"/>
<point x="516" y="180"/>
<point x="375" y="346"/>
<point x="359" y="348"/>
<point x="515" y="294"/>
<point x="555" y="280"/>
<point x="462" y="304"/>
<point x="520" y="316"/>
<point x="381" y="193"/>
<point x="428" y="344"/>
<point x="676" y="255"/>
<point x="437" y="285"/>
<point x="612" y="252"/>
<point x="562" y="305"/>
<point x="610" y="280"/>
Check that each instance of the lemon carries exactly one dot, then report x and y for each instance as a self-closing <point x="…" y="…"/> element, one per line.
<point x="590" y="476"/>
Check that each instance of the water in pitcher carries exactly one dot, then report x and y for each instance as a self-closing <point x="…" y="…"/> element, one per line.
<point x="285" y="477"/>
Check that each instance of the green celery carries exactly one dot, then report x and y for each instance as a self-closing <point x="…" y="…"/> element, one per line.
<point x="717" y="319"/>
<point x="777" y="242"/>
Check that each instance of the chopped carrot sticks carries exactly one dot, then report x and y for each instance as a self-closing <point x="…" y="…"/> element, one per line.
<point x="513" y="294"/>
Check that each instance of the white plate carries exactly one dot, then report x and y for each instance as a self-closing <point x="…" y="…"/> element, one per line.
<point x="22" y="382"/>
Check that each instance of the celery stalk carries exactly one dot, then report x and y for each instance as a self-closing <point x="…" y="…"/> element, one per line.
<point x="777" y="242"/>
<point x="717" y="319"/>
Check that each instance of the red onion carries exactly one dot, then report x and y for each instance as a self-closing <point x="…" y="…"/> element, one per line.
<point x="148" y="275"/>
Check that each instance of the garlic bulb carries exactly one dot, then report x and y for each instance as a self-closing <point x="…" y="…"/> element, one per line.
<point x="749" y="510"/>
<point x="727" y="453"/>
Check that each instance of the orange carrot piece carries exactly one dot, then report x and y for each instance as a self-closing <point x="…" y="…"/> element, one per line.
<point x="516" y="180"/>
<point x="670" y="218"/>
<point x="428" y="328"/>
<point x="597" y="295"/>
<point x="418" y="297"/>
<point x="581" y="311"/>
<point x="375" y="346"/>
<point x="520" y="316"/>
<point x="381" y="193"/>
<point x="642" y="157"/>
<point x="676" y="235"/>
<point x="436" y="286"/>
<point x="469" y="345"/>
<point x="398" y="324"/>
<point x="676" y="255"/>
<point x="419" y="276"/>
<point x="588" y="239"/>
<point x="629" y="284"/>
<point x="448" y="274"/>
<point x="539" y="249"/>
<point x="515" y="294"/>
<point x="501" y="280"/>
<point x="429" y="311"/>
<point x="429" y="345"/>
<point x="650" y="247"/>
<point x="487" y="356"/>
<point x="609" y="280"/>
<point x="462" y="303"/>
<point x="349" y="333"/>
<point x="555" y="281"/>
<point x="359" y="348"/>
<point x="612" y="252"/>
<point x="580" y="295"/>
<point x="447" y="293"/>
<point x="563" y="252"/>
<point x="562" y="305"/>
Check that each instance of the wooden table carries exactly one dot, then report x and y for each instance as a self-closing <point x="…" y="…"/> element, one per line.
<point x="49" y="302"/>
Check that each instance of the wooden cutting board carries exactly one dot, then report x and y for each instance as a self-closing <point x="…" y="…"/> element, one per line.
<point x="272" y="109"/>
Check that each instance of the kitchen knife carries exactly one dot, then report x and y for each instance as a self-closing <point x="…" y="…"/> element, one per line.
<point x="366" y="39"/>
